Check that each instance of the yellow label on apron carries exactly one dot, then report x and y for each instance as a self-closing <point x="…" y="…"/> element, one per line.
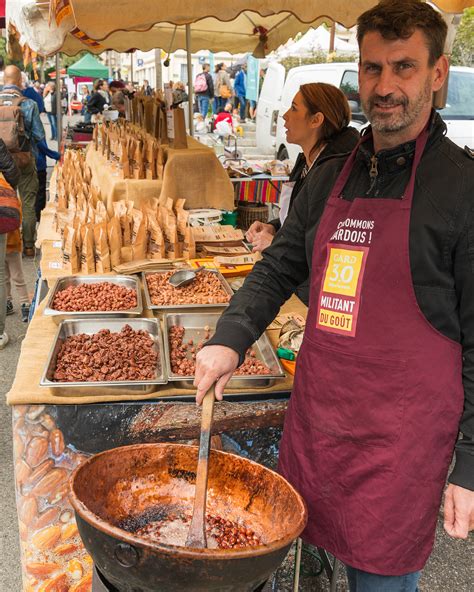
<point x="339" y="298"/>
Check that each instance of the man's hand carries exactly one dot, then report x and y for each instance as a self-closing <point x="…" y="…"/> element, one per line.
<point x="214" y="364"/>
<point x="256" y="228"/>
<point x="263" y="240"/>
<point x="458" y="511"/>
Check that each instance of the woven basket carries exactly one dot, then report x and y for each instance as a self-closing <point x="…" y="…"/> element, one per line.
<point x="250" y="213"/>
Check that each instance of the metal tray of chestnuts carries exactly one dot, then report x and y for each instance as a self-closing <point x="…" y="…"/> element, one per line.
<point x="175" y="298"/>
<point x="130" y="363"/>
<point x="183" y="333"/>
<point x="109" y="302"/>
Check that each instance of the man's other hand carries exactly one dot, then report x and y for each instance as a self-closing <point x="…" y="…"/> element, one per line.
<point x="458" y="511"/>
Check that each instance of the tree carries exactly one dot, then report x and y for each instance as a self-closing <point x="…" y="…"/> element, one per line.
<point x="463" y="46"/>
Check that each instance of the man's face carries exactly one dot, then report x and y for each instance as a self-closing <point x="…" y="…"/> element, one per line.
<point x="396" y="83"/>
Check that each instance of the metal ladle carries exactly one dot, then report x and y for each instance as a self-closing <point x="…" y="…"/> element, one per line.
<point x="183" y="277"/>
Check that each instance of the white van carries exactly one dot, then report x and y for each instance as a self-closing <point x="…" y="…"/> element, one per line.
<point x="278" y="92"/>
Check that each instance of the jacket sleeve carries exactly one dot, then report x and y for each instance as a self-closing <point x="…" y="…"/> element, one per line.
<point x="283" y="267"/>
<point x="37" y="129"/>
<point x="46" y="151"/>
<point x="210" y="85"/>
<point x="8" y="167"/>
<point x="463" y="472"/>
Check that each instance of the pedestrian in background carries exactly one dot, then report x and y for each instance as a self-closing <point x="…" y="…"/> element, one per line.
<point x="41" y="167"/>
<point x="146" y="89"/>
<point x="97" y="102"/>
<point x="49" y="100"/>
<point x="204" y="89"/>
<point x="85" y="96"/>
<point x="30" y="92"/>
<point x="25" y="141"/>
<point x="14" y="274"/>
<point x="222" y="88"/>
<point x="11" y="175"/>
<point x="240" y="90"/>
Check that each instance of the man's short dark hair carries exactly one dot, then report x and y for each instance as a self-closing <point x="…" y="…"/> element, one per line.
<point x="398" y="19"/>
<point x="204" y="66"/>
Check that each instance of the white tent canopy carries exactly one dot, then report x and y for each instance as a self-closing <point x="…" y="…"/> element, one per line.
<point x="313" y="41"/>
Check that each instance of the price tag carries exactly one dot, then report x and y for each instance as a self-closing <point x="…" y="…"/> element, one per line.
<point x="57" y="244"/>
<point x="55" y="265"/>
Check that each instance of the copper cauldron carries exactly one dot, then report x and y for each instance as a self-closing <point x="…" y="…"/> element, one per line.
<point x="123" y="485"/>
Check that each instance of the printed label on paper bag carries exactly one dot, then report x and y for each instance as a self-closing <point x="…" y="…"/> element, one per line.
<point x="339" y="298"/>
<point x="57" y="245"/>
<point x="55" y="265"/>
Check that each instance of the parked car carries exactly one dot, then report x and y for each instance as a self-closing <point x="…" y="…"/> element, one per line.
<point x="278" y="91"/>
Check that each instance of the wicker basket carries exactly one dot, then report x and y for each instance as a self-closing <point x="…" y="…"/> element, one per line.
<point x="250" y="213"/>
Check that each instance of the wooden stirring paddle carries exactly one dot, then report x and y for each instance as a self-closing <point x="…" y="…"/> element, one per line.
<point x="197" y="530"/>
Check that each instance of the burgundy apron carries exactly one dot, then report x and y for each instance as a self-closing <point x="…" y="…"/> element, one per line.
<point x="378" y="395"/>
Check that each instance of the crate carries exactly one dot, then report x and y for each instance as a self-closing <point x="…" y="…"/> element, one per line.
<point x="250" y="213"/>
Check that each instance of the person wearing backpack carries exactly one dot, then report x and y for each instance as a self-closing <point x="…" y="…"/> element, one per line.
<point x="204" y="89"/>
<point x="9" y="177"/>
<point x="21" y="129"/>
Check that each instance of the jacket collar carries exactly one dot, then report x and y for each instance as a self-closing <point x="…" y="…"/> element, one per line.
<point x="395" y="159"/>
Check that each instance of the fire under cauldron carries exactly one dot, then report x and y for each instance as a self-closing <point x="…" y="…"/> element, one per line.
<point x="118" y="490"/>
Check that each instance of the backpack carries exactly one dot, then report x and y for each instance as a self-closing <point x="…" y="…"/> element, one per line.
<point x="12" y="128"/>
<point x="200" y="84"/>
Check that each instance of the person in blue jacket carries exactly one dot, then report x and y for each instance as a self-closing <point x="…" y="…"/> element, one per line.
<point x="41" y="166"/>
<point x="240" y="89"/>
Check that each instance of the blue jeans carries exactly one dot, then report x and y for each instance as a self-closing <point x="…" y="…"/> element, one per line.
<point x="87" y="117"/>
<point x="52" y="123"/>
<point x="203" y="102"/>
<point x="362" y="581"/>
<point x="242" y="106"/>
<point x="219" y="103"/>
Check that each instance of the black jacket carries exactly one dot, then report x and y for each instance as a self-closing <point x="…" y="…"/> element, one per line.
<point x="96" y="103"/>
<point x="8" y="167"/>
<point x="341" y="143"/>
<point x="441" y="254"/>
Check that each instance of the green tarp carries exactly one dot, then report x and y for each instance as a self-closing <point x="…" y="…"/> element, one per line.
<point x="88" y="66"/>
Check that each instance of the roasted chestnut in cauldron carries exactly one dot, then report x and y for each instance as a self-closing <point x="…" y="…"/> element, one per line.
<point x="123" y="496"/>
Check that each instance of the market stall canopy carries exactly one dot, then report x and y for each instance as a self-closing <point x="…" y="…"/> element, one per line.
<point x="315" y="40"/>
<point x="88" y="66"/>
<point x="233" y="26"/>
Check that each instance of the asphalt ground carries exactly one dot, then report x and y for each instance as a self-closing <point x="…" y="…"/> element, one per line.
<point x="450" y="568"/>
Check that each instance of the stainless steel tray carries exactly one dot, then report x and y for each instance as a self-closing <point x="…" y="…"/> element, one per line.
<point x="126" y="281"/>
<point x="115" y="387"/>
<point x="194" y="324"/>
<point x="224" y="283"/>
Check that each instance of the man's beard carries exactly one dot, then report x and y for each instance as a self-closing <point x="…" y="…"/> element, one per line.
<point x="386" y="123"/>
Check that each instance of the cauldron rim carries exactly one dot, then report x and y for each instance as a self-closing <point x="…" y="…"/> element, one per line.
<point x="186" y="552"/>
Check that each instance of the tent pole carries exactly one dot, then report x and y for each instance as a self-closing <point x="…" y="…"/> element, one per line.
<point x="190" y="80"/>
<point x="58" y="102"/>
